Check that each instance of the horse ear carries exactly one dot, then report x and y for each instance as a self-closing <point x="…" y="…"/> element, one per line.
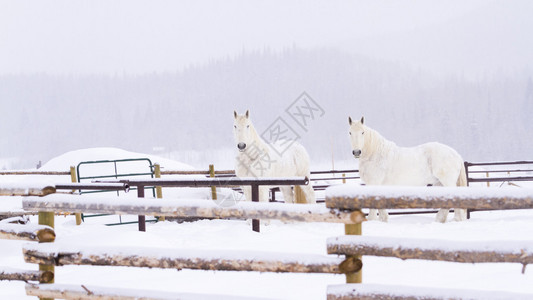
<point x="363" y="120"/>
<point x="350" y="120"/>
<point x="235" y="114"/>
<point x="247" y="114"/>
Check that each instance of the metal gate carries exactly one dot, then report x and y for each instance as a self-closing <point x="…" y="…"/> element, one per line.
<point x="115" y="169"/>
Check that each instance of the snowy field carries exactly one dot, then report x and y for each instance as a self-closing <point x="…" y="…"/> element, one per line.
<point x="310" y="238"/>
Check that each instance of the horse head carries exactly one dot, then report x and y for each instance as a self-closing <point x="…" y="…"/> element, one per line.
<point x="357" y="136"/>
<point x="242" y="130"/>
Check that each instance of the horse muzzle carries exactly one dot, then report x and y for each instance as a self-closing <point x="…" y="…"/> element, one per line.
<point x="241" y="146"/>
<point x="356" y="153"/>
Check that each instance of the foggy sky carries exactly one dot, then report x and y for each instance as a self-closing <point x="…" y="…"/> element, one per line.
<point x="72" y="37"/>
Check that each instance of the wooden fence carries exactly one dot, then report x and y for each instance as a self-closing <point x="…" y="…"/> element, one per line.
<point x="49" y="256"/>
<point x="356" y="197"/>
<point x="26" y="232"/>
<point x="342" y="206"/>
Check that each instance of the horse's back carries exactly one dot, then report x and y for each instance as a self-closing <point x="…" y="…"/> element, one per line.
<point x="440" y="154"/>
<point x="290" y="159"/>
<point x="430" y="163"/>
<point x="445" y="163"/>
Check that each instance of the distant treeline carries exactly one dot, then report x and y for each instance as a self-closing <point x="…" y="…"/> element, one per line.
<point x="485" y="119"/>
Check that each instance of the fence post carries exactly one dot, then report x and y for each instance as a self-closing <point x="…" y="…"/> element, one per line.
<point x="74" y="180"/>
<point x="213" y="188"/>
<point x="158" y="189"/>
<point x="354" y="229"/>
<point x="47" y="218"/>
<point x="299" y="194"/>
<point x="343" y="178"/>
<point x="256" y="226"/>
<point x="142" y="219"/>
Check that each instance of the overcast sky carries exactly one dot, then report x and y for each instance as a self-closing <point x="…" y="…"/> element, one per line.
<point x="135" y="36"/>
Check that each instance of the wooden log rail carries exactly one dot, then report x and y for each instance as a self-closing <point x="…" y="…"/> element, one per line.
<point x="191" y="208"/>
<point x="17" y="190"/>
<point x="183" y="259"/>
<point x="90" y="292"/>
<point x="395" y="292"/>
<point x="440" y="250"/>
<point x="27" y="232"/>
<point x="25" y="275"/>
<point x="353" y="196"/>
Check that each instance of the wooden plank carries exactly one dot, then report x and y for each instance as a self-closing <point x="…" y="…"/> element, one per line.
<point x="441" y="250"/>
<point x="27" y="232"/>
<point x="393" y="292"/>
<point x="191" y="208"/>
<point x="353" y="196"/>
<point x="34" y="173"/>
<point x="91" y="292"/>
<point x="25" y="275"/>
<point x="26" y="191"/>
<point x="184" y="259"/>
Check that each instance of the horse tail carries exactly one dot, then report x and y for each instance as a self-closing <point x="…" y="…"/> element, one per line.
<point x="461" y="181"/>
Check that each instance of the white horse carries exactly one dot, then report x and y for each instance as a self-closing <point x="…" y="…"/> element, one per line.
<point x="381" y="162"/>
<point x="259" y="159"/>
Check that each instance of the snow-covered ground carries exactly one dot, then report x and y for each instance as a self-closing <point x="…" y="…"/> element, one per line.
<point x="307" y="238"/>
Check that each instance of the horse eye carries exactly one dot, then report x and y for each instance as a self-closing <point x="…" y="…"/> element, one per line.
<point x="247" y="126"/>
<point x="235" y="126"/>
<point x="363" y="132"/>
<point x="350" y="133"/>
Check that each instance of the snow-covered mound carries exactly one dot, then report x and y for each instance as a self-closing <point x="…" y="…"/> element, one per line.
<point x="73" y="158"/>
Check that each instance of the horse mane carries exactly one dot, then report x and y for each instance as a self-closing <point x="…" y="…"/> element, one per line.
<point x="375" y="143"/>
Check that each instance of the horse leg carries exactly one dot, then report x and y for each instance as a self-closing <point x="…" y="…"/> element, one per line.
<point x="263" y="193"/>
<point x="247" y="192"/>
<point x="446" y="180"/>
<point x="309" y="193"/>
<point x="372" y="214"/>
<point x="460" y="214"/>
<point x="288" y="194"/>
<point x="442" y="215"/>
<point x="383" y="215"/>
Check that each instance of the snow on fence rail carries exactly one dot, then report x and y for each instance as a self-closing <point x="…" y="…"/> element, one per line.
<point x="428" y="249"/>
<point x="183" y="259"/>
<point x="190" y="208"/>
<point x="353" y="196"/>
<point x="69" y="291"/>
<point x="396" y="292"/>
<point x="27" y="232"/>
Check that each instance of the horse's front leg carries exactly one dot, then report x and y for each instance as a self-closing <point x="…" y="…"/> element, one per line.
<point x="442" y="215"/>
<point x="264" y="194"/>
<point x="383" y="215"/>
<point x="247" y="192"/>
<point x="372" y="214"/>
<point x="460" y="214"/>
<point x="288" y="195"/>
